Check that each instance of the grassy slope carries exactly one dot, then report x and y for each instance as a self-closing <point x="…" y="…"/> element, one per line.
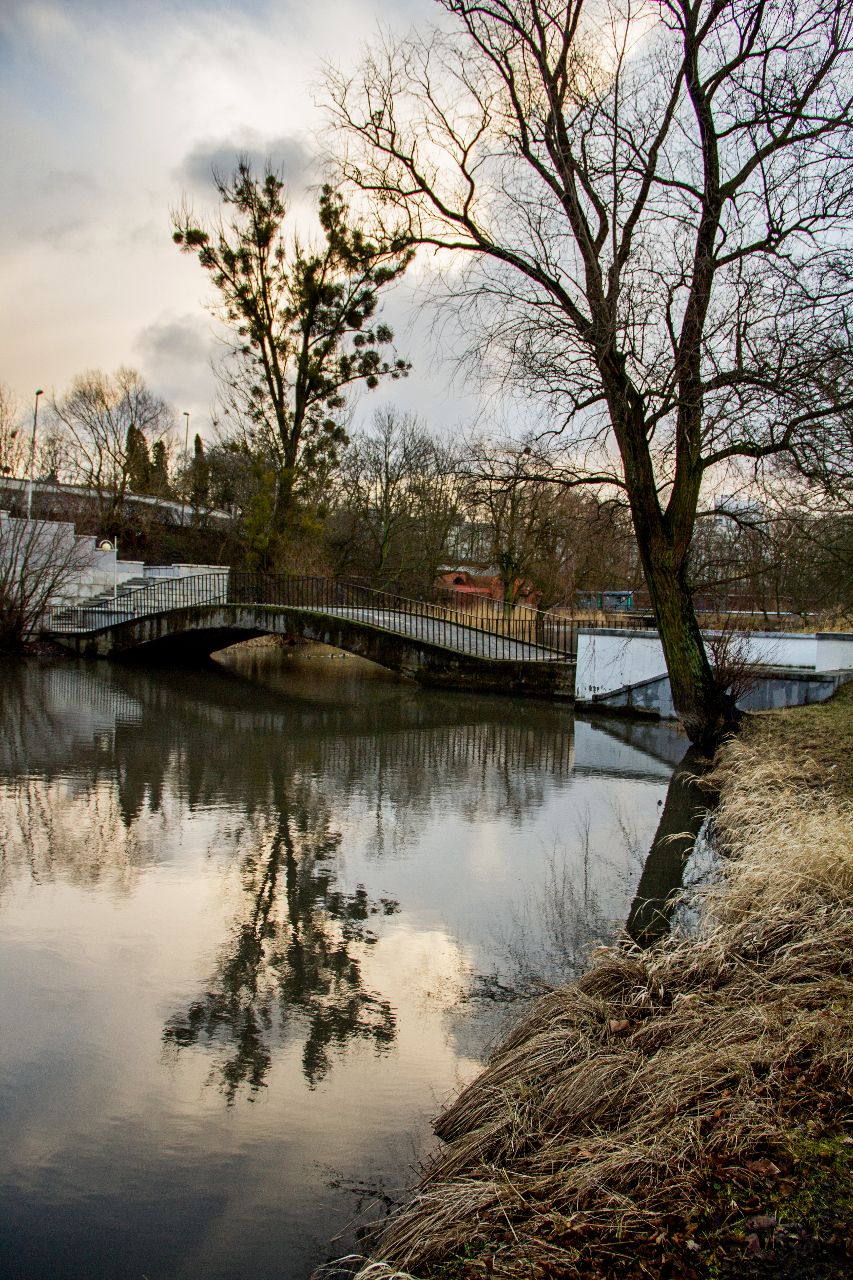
<point x="684" y="1111"/>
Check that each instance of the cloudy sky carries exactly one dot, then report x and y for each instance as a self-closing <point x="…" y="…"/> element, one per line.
<point x="110" y="113"/>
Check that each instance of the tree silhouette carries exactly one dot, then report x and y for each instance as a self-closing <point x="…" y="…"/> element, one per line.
<point x="302" y="320"/>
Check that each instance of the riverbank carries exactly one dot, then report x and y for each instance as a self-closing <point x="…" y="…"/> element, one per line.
<point x="685" y="1111"/>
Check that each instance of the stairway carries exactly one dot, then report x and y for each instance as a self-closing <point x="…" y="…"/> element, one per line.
<point x="105" y="602"/>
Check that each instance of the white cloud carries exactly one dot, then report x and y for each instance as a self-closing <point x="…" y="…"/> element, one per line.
<point x="174" y="353"/>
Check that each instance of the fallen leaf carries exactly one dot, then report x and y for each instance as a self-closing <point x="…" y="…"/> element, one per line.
<point x="765" y="1168"/>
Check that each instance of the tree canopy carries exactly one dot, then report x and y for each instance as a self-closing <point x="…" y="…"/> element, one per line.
<point x="107" y="423"/>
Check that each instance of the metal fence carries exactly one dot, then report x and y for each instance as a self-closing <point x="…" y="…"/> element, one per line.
<point x="140" y="602"/>
<point x="530" y="633"/>
<point x="520" y="633"/>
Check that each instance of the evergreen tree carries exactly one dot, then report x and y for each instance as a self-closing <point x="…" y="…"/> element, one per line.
<point x="159" y="475"/>
<point x="138" y="461"/>
<point x="302" y="320"/>
<point x="199" y="475"/>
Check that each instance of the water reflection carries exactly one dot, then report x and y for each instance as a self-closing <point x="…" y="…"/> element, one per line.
<point x="75" y="720"/>
<point x="306" y="893"/>
<point x="294" y="951"/>
<point x="682" y="815"/>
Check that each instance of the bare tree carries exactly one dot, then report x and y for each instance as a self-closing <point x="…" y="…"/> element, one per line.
<point x="106" y="419"/>
<point x="775" y="559"/>
<point x="13" y="449"/>
<point x="538" y="532"/>
<point x="515" y="508"/>
<point x="398" y="498"/>
<point x="655" y="200"/>
<point x="39" y="559"/>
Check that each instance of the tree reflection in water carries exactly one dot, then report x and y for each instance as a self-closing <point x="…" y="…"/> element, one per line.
<point x="101" y="768"/>
<point x="294" y="952"/>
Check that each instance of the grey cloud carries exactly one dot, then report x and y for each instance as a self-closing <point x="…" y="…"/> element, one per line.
<point x="175" y="354"/>
<point x="60" y="208"/>
<point x="287" y="153"/>
<point x="182" y="338"/>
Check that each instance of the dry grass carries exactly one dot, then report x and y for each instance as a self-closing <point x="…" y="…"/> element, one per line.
<point x="635" y="1120"/>
<point x="824" y="620"/>
<point x="786" y="809"/>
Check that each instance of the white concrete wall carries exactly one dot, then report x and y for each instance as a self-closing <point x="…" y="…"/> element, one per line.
<point x="197" y="570"/>
<point x="610" y="659"/>
<point x="35" y="541"/>
<point x="50" y="542"/>
<point x="834" y="651"/>
<point x="161" y="571"/>
<point x="102" y="576"/>
<point x="777" y="648"/>
<point x="97" y="571"/>
<point x="130" y="569"/>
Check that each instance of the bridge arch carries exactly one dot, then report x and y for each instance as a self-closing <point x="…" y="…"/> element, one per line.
<point x="192" y="633"/>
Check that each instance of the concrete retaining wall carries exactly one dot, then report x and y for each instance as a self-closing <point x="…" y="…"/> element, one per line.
<point x="834" y="651"/>
<point x="626" y="670"/>
<point x="159" y="572"/>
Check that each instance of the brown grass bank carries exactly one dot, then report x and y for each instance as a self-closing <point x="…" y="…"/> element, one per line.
<point x="686" y="1111"/>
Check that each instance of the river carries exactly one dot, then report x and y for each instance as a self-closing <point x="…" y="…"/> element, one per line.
<point x="257" y="923"/>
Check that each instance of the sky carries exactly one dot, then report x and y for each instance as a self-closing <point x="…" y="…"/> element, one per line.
<point x="112" y="113"/>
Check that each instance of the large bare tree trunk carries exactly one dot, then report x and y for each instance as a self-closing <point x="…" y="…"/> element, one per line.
<point x="706" y="710"/>
<point x="664" y="538"/>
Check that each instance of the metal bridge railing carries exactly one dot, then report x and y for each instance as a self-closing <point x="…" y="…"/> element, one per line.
<point x="140" y="602"/>
<point x="434" y="623"/>
<point x="528" y="633"/>
<point x="521" y="633"/>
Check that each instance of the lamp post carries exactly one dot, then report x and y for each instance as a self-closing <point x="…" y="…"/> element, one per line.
<point x="187" y="456"/>
<point x="33" y="454"/>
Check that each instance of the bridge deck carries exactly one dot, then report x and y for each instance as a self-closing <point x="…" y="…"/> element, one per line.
<point x="521" y="635"/>
<point x="458" y="637"/>
<point x="450" y="635"/>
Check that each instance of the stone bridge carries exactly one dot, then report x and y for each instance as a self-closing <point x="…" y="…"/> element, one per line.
<point x="424" y="642"/>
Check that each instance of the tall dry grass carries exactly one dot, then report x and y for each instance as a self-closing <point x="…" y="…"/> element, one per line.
<point x="647" y="1105"/>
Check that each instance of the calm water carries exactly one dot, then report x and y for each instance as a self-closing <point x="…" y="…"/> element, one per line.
<point x="256" y="925"/>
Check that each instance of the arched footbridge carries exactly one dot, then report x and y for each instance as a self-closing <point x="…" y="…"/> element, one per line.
<point x="434" y="643"/>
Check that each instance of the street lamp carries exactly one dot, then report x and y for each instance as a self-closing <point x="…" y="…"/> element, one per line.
<point x="187" y="456"/>
<point x="33" y="454"/>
